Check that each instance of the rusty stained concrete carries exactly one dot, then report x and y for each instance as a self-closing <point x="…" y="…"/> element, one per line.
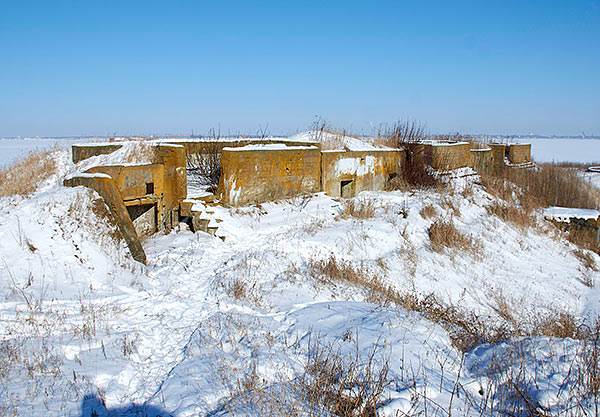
<point x="251" y="175"/>
<point x="346" y="173"/>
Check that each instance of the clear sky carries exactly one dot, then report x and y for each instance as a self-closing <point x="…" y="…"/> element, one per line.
<point x="142" y="67"/>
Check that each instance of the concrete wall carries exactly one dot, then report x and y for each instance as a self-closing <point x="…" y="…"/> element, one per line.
<point x="84" y="151"/>
<point x="345" y="173"/>
<point x="519" y="153"/>
<point x="200" y="147"/>
<point x="254" y="175"/>
<point x="481" y="159"/>
<point x="108" y="190"/>
<point x="447" y="156"/>
<point x="168" y="179"/>
<point x="498" y="153"/>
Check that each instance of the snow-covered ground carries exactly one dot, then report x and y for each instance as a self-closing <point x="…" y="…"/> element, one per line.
<point x="214" y="327"/>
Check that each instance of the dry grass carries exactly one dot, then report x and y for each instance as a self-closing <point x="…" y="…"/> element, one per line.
<point x="586" y="260"/>
<point x="547" y="185"/>
<point x="444" y="235"/>
<point x="359" y="209"/>
<point x="27" y="173"/>
<point x="330" y="384"/>
<point x="344" y="386"/>
<point x="428" y="211"/>
<point x="333" y="271"/>
<point x="512" y="214"/>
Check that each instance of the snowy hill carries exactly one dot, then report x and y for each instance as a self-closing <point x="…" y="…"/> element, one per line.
<point x="300" y="287"/>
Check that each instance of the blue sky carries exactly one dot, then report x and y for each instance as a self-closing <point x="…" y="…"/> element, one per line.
<point x="129" y="67"/>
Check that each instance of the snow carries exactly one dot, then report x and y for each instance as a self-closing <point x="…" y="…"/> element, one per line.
<point x="563" y="149"/>
<point x="338" y="140"/>
<point x="92" y="329"/>
<point x="270" y="147"/>
<point x="564" y="214"/>
<point x="355" y="166"/>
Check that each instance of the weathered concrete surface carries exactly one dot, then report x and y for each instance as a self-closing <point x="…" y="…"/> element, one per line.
<point x="85" y="151"/>
<point x="108" y="190"/>
<point x="173" y="157"/>
<point x="498" y="154"/>
<point x="519" y="153"/>
<point x="138" y="185"/>
<point x="251" y="175"/>
<point x="481" y="159"/>
<point x="194" y="148"/>
<point x="447" y="156"/>
<point x="164" y="183"/>
<point x="345" y="173"/>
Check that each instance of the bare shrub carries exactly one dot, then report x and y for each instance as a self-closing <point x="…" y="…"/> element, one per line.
<point x="205" y="165"/>
<point x="409" y="136"/>
<point x="428" y="211"/>
<point x="443" y="234"/>
<point x="359" y="209"/>
<point x="24" y="175"/>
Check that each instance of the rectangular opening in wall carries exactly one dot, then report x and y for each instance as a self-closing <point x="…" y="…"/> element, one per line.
<point x="347" y="188"/>
<point x="149" y="188"/>
<point x="144" y="219"/>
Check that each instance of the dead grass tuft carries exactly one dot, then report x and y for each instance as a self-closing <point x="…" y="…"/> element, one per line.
<point x="428" y="211"/>
<point x="359" y="209"/>
<point x="444" y="235"/>
<point x="586" y="259"/>
<point x="26" y="174"/>
<point x="512" y="214"/>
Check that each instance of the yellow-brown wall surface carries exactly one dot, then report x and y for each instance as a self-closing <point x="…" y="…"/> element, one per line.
<point x="81" y="152"/>
<point x="250" y="176"/>
<point x="446" y="156"/>
<point x="194" y="148"/>
<point x="519" y="153"/>
<point x="368" y="170"/>
<point x="481" y="159"/>
<point x="132" y="179"/>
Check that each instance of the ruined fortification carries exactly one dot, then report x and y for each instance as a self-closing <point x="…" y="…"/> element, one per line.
<point x="149" y="197"/>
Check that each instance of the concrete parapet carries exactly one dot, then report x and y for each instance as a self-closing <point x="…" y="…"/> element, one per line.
<point x="481" y="159"/>
<point x="85" y="151"/>
<point x="346" y="173"/>
<point x="105" y="186"/>
<point x="519" y="153"/>
<point x="446" y="156"/>
<point x="498" y="154"/>
<point x="256" y="174"/>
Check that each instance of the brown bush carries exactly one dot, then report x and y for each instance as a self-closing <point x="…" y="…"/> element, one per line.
<point x="409" y="137"/>
<point x="359" y="209"/>
<point x="428" y="211"/>
<point x="511" y="213"/>
<point x="26" y="174"/>
<point x="443" y="234"/>
<point x="204" y="165"/>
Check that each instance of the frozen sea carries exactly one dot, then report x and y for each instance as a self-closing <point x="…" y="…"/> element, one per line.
<point x="542" y="149"/>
